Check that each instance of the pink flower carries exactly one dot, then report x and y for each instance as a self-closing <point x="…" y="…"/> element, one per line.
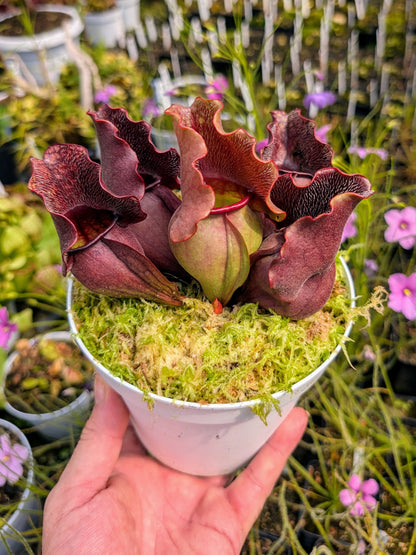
<point x="7" y="328"/>
<point x="261" y="144"/>
<point x="370" y="267"/>
<point x="216" y="88"/>
<point x="150" y="108"/>
<point x="11" y="459"/>
<point x="171" y="92"/>
<point x="368" y="353"/>
<point x="319" y="99"/>
<point x="322" y="133"/>
<point x="359" y="495"/>
<point x="401" y="226"/>
<point x="103" y="96"/>
<point x="349" y="230"/>
<point x="402" y="296"/>
<point x="363" y="151"/>
<point x="361" y="547"/>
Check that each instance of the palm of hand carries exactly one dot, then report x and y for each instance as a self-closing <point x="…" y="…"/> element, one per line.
<point x="179" y="514"/>
<point x="149" y="508"/>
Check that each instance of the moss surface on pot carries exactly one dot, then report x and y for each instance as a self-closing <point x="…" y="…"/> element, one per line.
<point x="190" y="353"/>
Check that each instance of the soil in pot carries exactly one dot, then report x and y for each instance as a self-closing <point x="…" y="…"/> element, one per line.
<point x="399" y="530"/>
<point x="340" y="537"/>
<point x="46" y="375"/>
<point x="42" y="22"/>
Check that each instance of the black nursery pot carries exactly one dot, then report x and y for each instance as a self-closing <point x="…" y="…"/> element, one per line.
<point x="8" y="169"/>
<point x="402" y="376"/>
<point x="308" y="540"/>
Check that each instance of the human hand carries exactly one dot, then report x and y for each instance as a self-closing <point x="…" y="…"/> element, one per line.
<point x="113" y="498"/>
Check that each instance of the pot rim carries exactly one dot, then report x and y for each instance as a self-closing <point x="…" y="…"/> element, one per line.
<point x="301" y="385"/>
<point x="47" y="39"/>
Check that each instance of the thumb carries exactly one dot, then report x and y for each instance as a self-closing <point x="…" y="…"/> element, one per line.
<point x="99" y="446"/>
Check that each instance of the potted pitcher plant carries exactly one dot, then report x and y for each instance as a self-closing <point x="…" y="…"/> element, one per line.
<point x="206" y="286"/>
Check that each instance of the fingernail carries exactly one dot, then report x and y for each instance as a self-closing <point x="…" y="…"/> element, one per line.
<point x="100" y="389"/>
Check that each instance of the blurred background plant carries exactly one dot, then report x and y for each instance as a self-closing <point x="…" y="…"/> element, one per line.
<point x="33" y="121"/>
<point x="30" y="276"/>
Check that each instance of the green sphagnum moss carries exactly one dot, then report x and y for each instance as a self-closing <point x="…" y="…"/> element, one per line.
<point x="189" y="353"/>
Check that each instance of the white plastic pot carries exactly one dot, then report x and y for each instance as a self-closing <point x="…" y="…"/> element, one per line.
<point x="49" y="46"/>
<point x="204" y="440"/>
<point x="61" y="423"/>
<point x="164" y="139"/>
<point x="130" y="11"/>
<point x="162" y="92"/>
<point x="105" y="28"/>
<point x="27" y="514"/>
<point x="164" y="87"/>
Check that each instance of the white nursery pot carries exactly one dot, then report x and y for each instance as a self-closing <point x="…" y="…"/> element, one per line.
<point x="27" y="513"/>
<point x="162" y="88"/>
<point x="61" y="423"/>
<point x="164" y="139"/>
<point x="50" y="44"/>
<point x="203" y="440"/>
<point x="130" y="11"/>
<point x="105" y="28"/>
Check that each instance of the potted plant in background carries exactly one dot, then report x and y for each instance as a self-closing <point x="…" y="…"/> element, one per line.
<point x="19" y="506"/>
<point x="104" y="23"/>
<point x="37" y="120"/>
<point x="47" y="384"/>
<point x="226" y="233"/>
<point x="33" y="38"/>
<point x="41" y="118"/>
<point x="180" y="90"/>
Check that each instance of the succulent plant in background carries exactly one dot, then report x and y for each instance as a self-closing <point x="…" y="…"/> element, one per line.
<point x="247" y="228"/>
